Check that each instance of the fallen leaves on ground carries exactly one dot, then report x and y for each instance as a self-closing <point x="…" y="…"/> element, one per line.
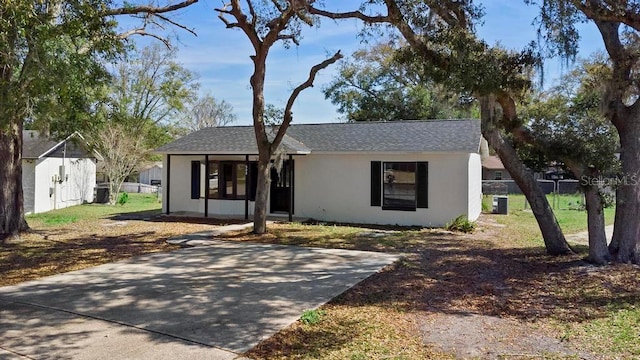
<point x="577" y="308"/>
<point x="446" y="275"/>
<point x="46" y="251"/>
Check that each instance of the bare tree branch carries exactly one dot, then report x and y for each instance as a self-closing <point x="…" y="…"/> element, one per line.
<point x="143" y="32"/>
<point x="617" y="11"/>
<point x="349" y="15"/>
<point x="234" y="9"/>
<point x="228" y="24"/>
<point x="164" y="18"/>
<point x="278" y="6"/>
<point x="252" y="12"/>
<point x="132" y="10"/>
<point x="150" y="12"/>
<point x="289" y="37"/>
<point x="394" y="16"/>
<point x="296" y="92"/>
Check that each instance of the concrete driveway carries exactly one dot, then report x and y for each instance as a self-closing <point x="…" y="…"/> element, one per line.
<point x="209" y="302"/>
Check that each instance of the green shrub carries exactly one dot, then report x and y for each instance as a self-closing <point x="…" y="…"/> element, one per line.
<point x="123" y="198"/>
<point x="461" y="224"/>
<point x="310" y="317"/>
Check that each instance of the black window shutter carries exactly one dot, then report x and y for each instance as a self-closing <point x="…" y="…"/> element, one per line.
<point x="376" y="183"/>
<point x="422" y="179"/>
<point x="195" y="179"/>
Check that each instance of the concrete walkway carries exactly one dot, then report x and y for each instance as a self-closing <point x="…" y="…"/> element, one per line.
<point x="205" y="237"/>
<point x="206" y="302"/>
<point x="583" y="237"/>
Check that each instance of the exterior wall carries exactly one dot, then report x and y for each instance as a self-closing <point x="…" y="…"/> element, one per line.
<point x="153" y="173"/>
<point x="76" y="189"/>
<point x="475" y="187"/>
<point x="28" y="184"/>
<point x="337" y="188"/>
<point x="178" y="190"/>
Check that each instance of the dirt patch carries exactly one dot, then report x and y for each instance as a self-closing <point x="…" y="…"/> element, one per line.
<point x="474" y="336"/>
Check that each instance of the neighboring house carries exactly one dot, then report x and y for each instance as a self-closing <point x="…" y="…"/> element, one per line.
<point x="56" y="174"/>
<point x="492" y="169"/>
<point x="403" y="172"/>
<point x="151" y="174"/>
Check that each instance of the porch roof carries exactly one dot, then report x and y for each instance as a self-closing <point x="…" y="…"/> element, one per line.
<point x="394" y="136"/>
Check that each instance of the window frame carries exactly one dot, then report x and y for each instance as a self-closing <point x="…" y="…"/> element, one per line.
<point x="497" y="175"/>
<point x="223" y="177"/>
<point x="421" y="185"/>
<point x="415" y="186"/>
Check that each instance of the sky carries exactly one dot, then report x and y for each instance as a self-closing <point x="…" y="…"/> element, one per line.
<point x="220" y="56"/>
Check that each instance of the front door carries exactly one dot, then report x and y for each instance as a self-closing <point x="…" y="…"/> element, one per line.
<point x="281" y="188"/>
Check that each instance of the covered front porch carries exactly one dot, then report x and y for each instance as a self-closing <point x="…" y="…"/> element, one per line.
<point x="224" y="186"/>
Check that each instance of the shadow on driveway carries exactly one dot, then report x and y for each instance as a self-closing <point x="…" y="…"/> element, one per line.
<point x="227" y="295"/>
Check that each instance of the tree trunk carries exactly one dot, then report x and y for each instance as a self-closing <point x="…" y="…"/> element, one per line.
<point x="554" y="240"/>
<point x="262" y="195"/>
<point x="625" y="246"/>
<point x="598" y="251"/>
<point x="11" y="198"/>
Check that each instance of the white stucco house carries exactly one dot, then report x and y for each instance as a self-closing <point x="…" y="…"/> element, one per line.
<point x="56" y="174"/>
<point x="404" y="172"/>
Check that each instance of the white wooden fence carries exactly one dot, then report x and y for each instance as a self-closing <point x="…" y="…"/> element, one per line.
<point x="139" y="188"/>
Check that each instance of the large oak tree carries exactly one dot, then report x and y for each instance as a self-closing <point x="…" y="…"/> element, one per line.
<point x="266" y="23"/>
<point x="569" y="127"/>
<point x="38" y="39"/>
<point x="619" y="25"/>
<point x="441" y="34"/>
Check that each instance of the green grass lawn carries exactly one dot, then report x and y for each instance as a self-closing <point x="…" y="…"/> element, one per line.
<point x="522" y="225"/>
<point x="73" y="214"/>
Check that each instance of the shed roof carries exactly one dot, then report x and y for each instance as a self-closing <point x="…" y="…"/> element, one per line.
<point x="36" y="146"/>
<point x="393" y="136"/>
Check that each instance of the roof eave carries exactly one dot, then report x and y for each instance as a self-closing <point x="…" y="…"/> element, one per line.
<point x="406" y="152"/>
<point x="222" y="153"/>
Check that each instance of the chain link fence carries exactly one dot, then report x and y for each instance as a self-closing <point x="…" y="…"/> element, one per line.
<point x="562" y="194"/>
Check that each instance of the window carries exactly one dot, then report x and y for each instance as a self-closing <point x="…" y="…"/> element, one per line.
<point x="227" y="180"/>
<point x="399" y="186"/>
<point x="498" y="175"/>
<point x="213" y="180"/>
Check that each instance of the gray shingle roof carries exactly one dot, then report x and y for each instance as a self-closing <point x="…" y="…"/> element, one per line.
<point x="393" y="136"/>
<point x="224" y="140"/>
<point x="34" y="145"/>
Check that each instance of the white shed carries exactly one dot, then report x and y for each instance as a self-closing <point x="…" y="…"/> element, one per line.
<point x="56" y="174"/>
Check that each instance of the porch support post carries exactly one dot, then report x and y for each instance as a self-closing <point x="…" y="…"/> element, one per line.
<point x="290" y="188"/>
<point x="246" y="187"/>
<point x="168" y="184"/>
<point x="206" y="186"/>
